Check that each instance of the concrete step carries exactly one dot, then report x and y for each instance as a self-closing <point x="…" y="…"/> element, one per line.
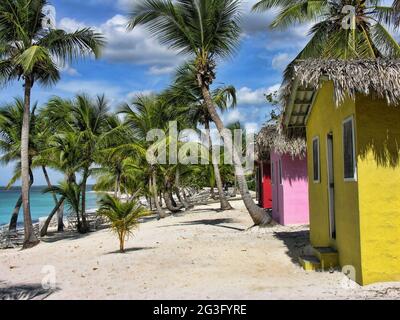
<point x="310" y="263"/>
<point x="328" y="257"/>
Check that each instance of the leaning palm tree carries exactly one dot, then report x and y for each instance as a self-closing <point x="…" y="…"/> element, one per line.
<point x="64" y="155"/>
<point x="146" y="113"/>
<point x="124" y="216"/>
<point x="343" y="29"/>
<point x="186" y="91"/>
<point x="30" y="50"/>
<point x="70" y="193"/>
<point x="207" y="30"/>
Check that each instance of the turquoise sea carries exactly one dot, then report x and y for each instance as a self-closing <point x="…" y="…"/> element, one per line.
<point x="41" y="204"/>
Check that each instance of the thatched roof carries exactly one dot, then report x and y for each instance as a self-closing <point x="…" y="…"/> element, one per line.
<point x="379" y="78"/>
<point x="271" y="137"/>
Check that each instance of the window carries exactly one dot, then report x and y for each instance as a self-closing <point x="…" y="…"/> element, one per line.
<point x="280" y="171"/>
<point x="272" y="173"/>
<point x="349" y="154"/>
<point x="316" y="160"/>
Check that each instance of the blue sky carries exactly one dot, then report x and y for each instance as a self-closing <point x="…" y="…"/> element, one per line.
<point x="133" y="62"/>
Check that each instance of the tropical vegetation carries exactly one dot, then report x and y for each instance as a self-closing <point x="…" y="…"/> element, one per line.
<point x="32" y="52"/>
<point x="86" y="137"/>
<point x="341" y="29"/>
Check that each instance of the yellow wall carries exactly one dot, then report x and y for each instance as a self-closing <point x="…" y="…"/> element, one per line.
<point x="326" y="118"/>
<point x="378" y="135"/>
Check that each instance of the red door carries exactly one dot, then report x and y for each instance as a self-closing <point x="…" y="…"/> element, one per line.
<point x="266" y="187"/>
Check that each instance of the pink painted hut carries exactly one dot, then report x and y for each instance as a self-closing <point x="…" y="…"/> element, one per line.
<point x="289" y="182"/>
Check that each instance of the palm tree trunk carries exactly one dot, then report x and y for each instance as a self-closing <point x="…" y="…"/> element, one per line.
<point x="14" y="216"/>
<point x="172" y="198"/>
<point x="177" y="192"/>
<point x="161" y="213"/>
<point x="59" y="211"/>
<point x="30" y="239"/>
<point x="225" y="205"/>
<point x="258" y="215"/>
<point x="84" y="227"/>
<point x="235" y="188"/>
<point x="43" y="231"/>
<point x="169" y="204"/>
<point x="213" y="193"/>
<point x="183" y="201"/>
<point x="117" y="192"/>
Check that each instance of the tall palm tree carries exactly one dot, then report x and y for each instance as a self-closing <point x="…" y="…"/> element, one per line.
<point x="146" y="113"/>
<point x="336" y="32"/>
<point x="10" y="144"/>
<point x="30" y="51"/>
<point x="90" y="120"/>
<point x="186" y="91"/>
<point x="64" y="154"/>
<point x="207" y="30"/>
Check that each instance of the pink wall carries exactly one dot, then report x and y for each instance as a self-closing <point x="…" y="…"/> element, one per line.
<point x="290" y="198"/>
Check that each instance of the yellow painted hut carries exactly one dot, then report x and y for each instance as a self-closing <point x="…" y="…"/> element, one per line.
<point x="350" y="113"/>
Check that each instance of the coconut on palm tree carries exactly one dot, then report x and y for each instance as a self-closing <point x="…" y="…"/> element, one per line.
<point x="205" y="30"/>
<point x="123" y="216"/>
<point x="31" y="51"/>
<point x="342" y="29"/>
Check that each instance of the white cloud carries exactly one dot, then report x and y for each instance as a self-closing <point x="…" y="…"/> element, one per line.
<point x="233" y="116"/>
<point x="281" y="60"/>
<point x="248" y="96"/>
<point x="91" y="87"/>
<point x="136" y="46"/>
<point x="70" y="71"/>
<point x="158" y="70"/>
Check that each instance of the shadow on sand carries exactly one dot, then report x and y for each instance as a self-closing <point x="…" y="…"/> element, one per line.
<point x="67" y="235"/>
<point x="131" y="250"/>
<point x="24" y="292"/>
<point x="208" y="222"/>
<point x="296" y="243"/>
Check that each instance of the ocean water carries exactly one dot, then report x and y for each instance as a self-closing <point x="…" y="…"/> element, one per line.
<point x="41" y="204"/>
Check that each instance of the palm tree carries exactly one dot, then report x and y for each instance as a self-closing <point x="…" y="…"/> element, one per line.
<point x="64" y="154"/>
<point x="124" y="216"/>
<point x="336" y="32"/>
<point x="186" y="91"/>
<point x="145" y="114"/>
<point x="10" y="144"/>
<point x="70" y="193"/>
<point x="207" y="30"/>
<point x="90" y="121"/>
<point x="29" y="50"/>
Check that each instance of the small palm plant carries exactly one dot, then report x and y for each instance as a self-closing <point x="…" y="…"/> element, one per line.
<point x="124" y="216"/>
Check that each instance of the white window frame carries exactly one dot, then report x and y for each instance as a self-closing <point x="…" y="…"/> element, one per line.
<point x="350" y="119"/>
<point x="318" y="159"/>
<point x="280" y="172"/>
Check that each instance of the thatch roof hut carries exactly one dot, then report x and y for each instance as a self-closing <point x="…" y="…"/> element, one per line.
<point x="379" y="78"/>
<point x="272" y="137"/>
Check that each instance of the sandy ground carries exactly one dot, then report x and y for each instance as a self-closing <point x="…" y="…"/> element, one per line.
<point x="203" y="254"/>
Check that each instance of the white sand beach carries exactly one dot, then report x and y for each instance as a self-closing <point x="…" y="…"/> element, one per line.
<point x="203" y="254"/>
